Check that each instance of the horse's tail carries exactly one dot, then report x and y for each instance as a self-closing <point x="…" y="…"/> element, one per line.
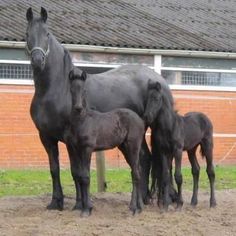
<point x="202" y="150"/>
<point x="205" y="146"/>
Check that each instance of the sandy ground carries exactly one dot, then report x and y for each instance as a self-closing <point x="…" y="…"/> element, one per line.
<point x="28" y="216"/>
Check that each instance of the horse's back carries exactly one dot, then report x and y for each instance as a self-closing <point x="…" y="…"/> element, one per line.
<point x="122" y="87"/>
<point x="199" y="118"/>
<point x="197" y="126"/>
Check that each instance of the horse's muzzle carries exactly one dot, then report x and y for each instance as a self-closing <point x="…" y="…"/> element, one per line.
<point x="38" y="60"/>
<point x="78" y="109"/>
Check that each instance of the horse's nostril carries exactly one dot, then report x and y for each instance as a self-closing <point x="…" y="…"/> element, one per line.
<point x="78" y="108"/>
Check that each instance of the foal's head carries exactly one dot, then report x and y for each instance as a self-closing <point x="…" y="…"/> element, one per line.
<point x="154" y="102"/>
<point x="37" y="38"/>
<point x="77" y="80"/>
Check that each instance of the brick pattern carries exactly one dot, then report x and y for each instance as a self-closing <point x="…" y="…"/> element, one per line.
<point x="20" y="146"/>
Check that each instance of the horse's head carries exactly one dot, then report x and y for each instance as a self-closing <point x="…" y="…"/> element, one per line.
<point x="37" y="38"/>
<point x="154" y="102"/>
<point x="77" y="80"/>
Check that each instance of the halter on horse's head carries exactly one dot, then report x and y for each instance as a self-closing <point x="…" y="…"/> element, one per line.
<point x="37" y="39"/>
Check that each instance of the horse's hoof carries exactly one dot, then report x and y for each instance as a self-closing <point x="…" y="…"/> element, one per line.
<point x="77" y="206"/>
<point x="179" y="207"/>
<point x="194" y="202"/>
<point x="213" y="204"/>
<point x="147" y="199"/>
<point x="56" y="204"/>
<point x="136" y="211"/>
<point x="173" y="196"/>
<point x="86" y="213"/>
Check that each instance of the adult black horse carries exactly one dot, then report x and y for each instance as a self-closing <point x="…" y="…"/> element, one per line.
<point x="124" y="87"/>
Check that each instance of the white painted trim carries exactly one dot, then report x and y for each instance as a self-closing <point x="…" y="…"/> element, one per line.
<point x="14" y="62"/>
<point x="202" y="88"/>
<point x="197" y="69"/>
<point x="91" y="48"/>
<point x="204" y="97"/>
<point x="216" y="135"/>
<point x="157" y="63"/>
<point x="96" y="65"/>
<point x="17" y="81"/>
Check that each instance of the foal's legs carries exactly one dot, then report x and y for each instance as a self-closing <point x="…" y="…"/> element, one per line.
<point x="145" y="164"/>
<point x="74" y="165"/>
<point x="51" y="147"/>
<point x="166" y="181"/>
<point x="84" y="180"/>
<point x="131" y="153"/>
<point x="195" y="172"/>
<point x="208" y="152"/>
<point x="178" y="176"/>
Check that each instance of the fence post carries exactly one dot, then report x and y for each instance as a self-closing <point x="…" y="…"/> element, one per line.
<point x="100" y="166"/>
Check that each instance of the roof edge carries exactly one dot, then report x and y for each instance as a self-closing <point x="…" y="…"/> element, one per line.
<point x="163" y="52"/>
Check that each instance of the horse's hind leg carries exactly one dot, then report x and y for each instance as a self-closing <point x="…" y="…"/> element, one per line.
<point x="208" y="152"/>
<point x="178" y="177"/>
<point x="195" y="173"/>
<point x="51" y="146"/>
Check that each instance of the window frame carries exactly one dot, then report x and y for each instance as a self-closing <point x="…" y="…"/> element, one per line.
<point x="200" y="87"/>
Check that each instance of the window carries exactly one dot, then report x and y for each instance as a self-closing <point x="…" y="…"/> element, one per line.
<point x="200" y="78"/>
<point x="208" y="73"/>
<point x="15" y="71"/>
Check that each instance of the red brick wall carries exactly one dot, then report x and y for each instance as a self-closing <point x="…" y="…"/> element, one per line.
<point x="20" y="146"/>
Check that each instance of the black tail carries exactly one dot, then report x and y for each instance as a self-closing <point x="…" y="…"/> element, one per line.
<point x="205" y="146"/>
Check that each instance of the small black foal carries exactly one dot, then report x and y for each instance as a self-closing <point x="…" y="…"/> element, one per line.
<point x="93" y="131"/>
<point x="189" y="131"/>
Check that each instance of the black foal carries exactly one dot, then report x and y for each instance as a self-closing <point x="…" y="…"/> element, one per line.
<point x="93" y="131"/>
<point x="189" y="131"/>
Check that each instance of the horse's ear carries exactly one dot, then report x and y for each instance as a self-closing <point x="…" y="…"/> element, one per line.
<point x="29" y="14"/>
<point x="71" y="75"/>
<point x="84" y="76"/>
<point x="158" y="86"/>
<point x="44" y="14"/>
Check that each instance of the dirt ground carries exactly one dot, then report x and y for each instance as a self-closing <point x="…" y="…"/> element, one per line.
<point x="28" y="216"/>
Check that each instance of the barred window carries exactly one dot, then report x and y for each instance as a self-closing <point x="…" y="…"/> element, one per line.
<point x="15" y="71"/>
<point x="199" y="78"/>
<point x="24" y="71"/>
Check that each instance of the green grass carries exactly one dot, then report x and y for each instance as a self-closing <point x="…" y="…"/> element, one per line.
<point x="36" y="182"/>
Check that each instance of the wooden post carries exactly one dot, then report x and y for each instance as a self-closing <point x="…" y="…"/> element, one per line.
<point x="100" y="164"/>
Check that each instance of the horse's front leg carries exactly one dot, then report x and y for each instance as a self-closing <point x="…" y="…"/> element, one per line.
<point x="165" y="186"/>
<point x="74" y="165"/>
<point x="84" y="180"/>
<point x="178" y="177"/>
<point x="51" y="147"/>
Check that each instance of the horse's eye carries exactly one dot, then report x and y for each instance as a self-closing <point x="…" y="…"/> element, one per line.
<point x="48" y="34"/>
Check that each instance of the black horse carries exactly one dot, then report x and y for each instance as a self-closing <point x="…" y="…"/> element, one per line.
<point x="95" y="131"/>
<point x="160" y="116"/>
<point x="190" y="131"/>
<point x="194" y="129"/>
<point x="124" y="87"/>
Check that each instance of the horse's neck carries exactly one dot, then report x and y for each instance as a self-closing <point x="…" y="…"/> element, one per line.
<point x="54" y="76"/>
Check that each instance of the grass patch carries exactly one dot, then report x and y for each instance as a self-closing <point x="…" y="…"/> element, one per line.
<point x="36" y="182"/>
